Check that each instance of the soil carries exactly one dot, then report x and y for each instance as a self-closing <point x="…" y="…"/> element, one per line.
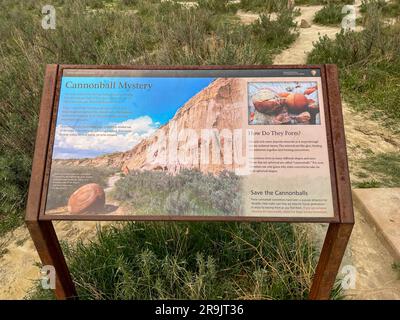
<point x="375" y="277"/>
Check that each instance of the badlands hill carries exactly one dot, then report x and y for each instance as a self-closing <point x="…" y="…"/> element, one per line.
<point x="218" y="106"/>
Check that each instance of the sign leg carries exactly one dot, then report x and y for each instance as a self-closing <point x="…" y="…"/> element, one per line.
<point x="330" y="259"/>
<point x="50" y="253"/>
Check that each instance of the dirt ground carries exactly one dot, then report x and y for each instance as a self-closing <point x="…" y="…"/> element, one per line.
<point x="375" y="277"/>
<point x="18" y="265"/>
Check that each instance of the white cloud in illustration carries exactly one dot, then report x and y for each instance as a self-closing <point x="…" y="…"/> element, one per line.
<point x="77" y="143"/>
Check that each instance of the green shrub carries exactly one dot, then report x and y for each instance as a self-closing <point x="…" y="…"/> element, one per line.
<point x="330" y="14"/>
<point x="263" y="5"/>
<point x="189" y="192"/>
<point x="277" y="33"/>
<point x="370" y="66"/>
<point x="180" y="202"/>
<point x="220" y="6"/>
<point x="14" y="179"/>
<point x="322" y="2"/>
<point x="384" y="167"/>
<point x="194" y="261"/>
<point x="389" y="9"/>
<point x="199" y="36"/>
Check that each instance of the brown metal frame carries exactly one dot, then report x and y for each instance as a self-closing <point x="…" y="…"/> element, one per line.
<point x="340" y="226"/>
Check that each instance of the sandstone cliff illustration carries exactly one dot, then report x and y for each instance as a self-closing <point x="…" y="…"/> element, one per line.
<point x="219" y="106"/>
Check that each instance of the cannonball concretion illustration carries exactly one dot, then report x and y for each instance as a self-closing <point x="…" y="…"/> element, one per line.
<point x="296" y="103"/>
<point x="287" y="107"/>
<point x="88" y="198"/>
<point x="266" y="101"/>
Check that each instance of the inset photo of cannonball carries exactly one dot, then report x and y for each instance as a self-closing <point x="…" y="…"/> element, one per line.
<point x="283" y="103"/>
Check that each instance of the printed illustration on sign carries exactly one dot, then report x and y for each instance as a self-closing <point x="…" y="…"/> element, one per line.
<point x="283" y="103"/>
<point x="188" y="146"/>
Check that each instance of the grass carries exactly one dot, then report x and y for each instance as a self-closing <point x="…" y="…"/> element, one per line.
<point x="107" y="32"/>
<point x="14" y="178"/>
<point x="266" y="6"/>
<point x="370" y="67"/>
<point x="219" y="6"/>
<point x="384" y="167"/>
<point x="368" y="184"/>
<point x="330" y="14"/>
<point x="322" y="2"/>
<point x="193" y="261"/>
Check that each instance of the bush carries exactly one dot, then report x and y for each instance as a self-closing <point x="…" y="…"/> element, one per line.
<point x="189" y="192"/>
<point x="276" y="33"/>
<point x="194" y="261"/>
<point x="330" y="14"/>
<point x="370" y="66"/>
<point x="322" y="2"/>
<point x="389" y="9"/>
<point x="220" y="6"/>
<point x="180" y="202"/>
<point x="267" y="6"/>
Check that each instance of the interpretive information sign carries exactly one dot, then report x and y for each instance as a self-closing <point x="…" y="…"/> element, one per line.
<point x="249" y="143"/>
<point x="200" y="143"/>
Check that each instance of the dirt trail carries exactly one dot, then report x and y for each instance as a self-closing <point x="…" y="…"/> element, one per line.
<point x="297" y="53"/>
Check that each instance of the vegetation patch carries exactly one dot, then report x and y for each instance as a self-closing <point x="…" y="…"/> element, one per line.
<point x="330" y="14"/>
<point x="389" y="9"/>
<point x="385" y="168"/>
<point x="370" y="66"/>
<point x="266" y="6"/>
<point x="193" y="261"/>
<point x="322" y="2"/>
<point x="189" y="192"/>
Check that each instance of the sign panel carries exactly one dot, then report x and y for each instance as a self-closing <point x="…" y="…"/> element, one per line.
<point x="191" y="144"/>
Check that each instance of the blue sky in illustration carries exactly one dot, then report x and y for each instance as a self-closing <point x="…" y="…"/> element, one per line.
<point x="147" y="110"/>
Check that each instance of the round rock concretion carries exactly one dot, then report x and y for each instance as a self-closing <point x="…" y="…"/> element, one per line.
<point x="297" y="103"/>
<point x="266" y="101"/>
<point x="88" y="198"/>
